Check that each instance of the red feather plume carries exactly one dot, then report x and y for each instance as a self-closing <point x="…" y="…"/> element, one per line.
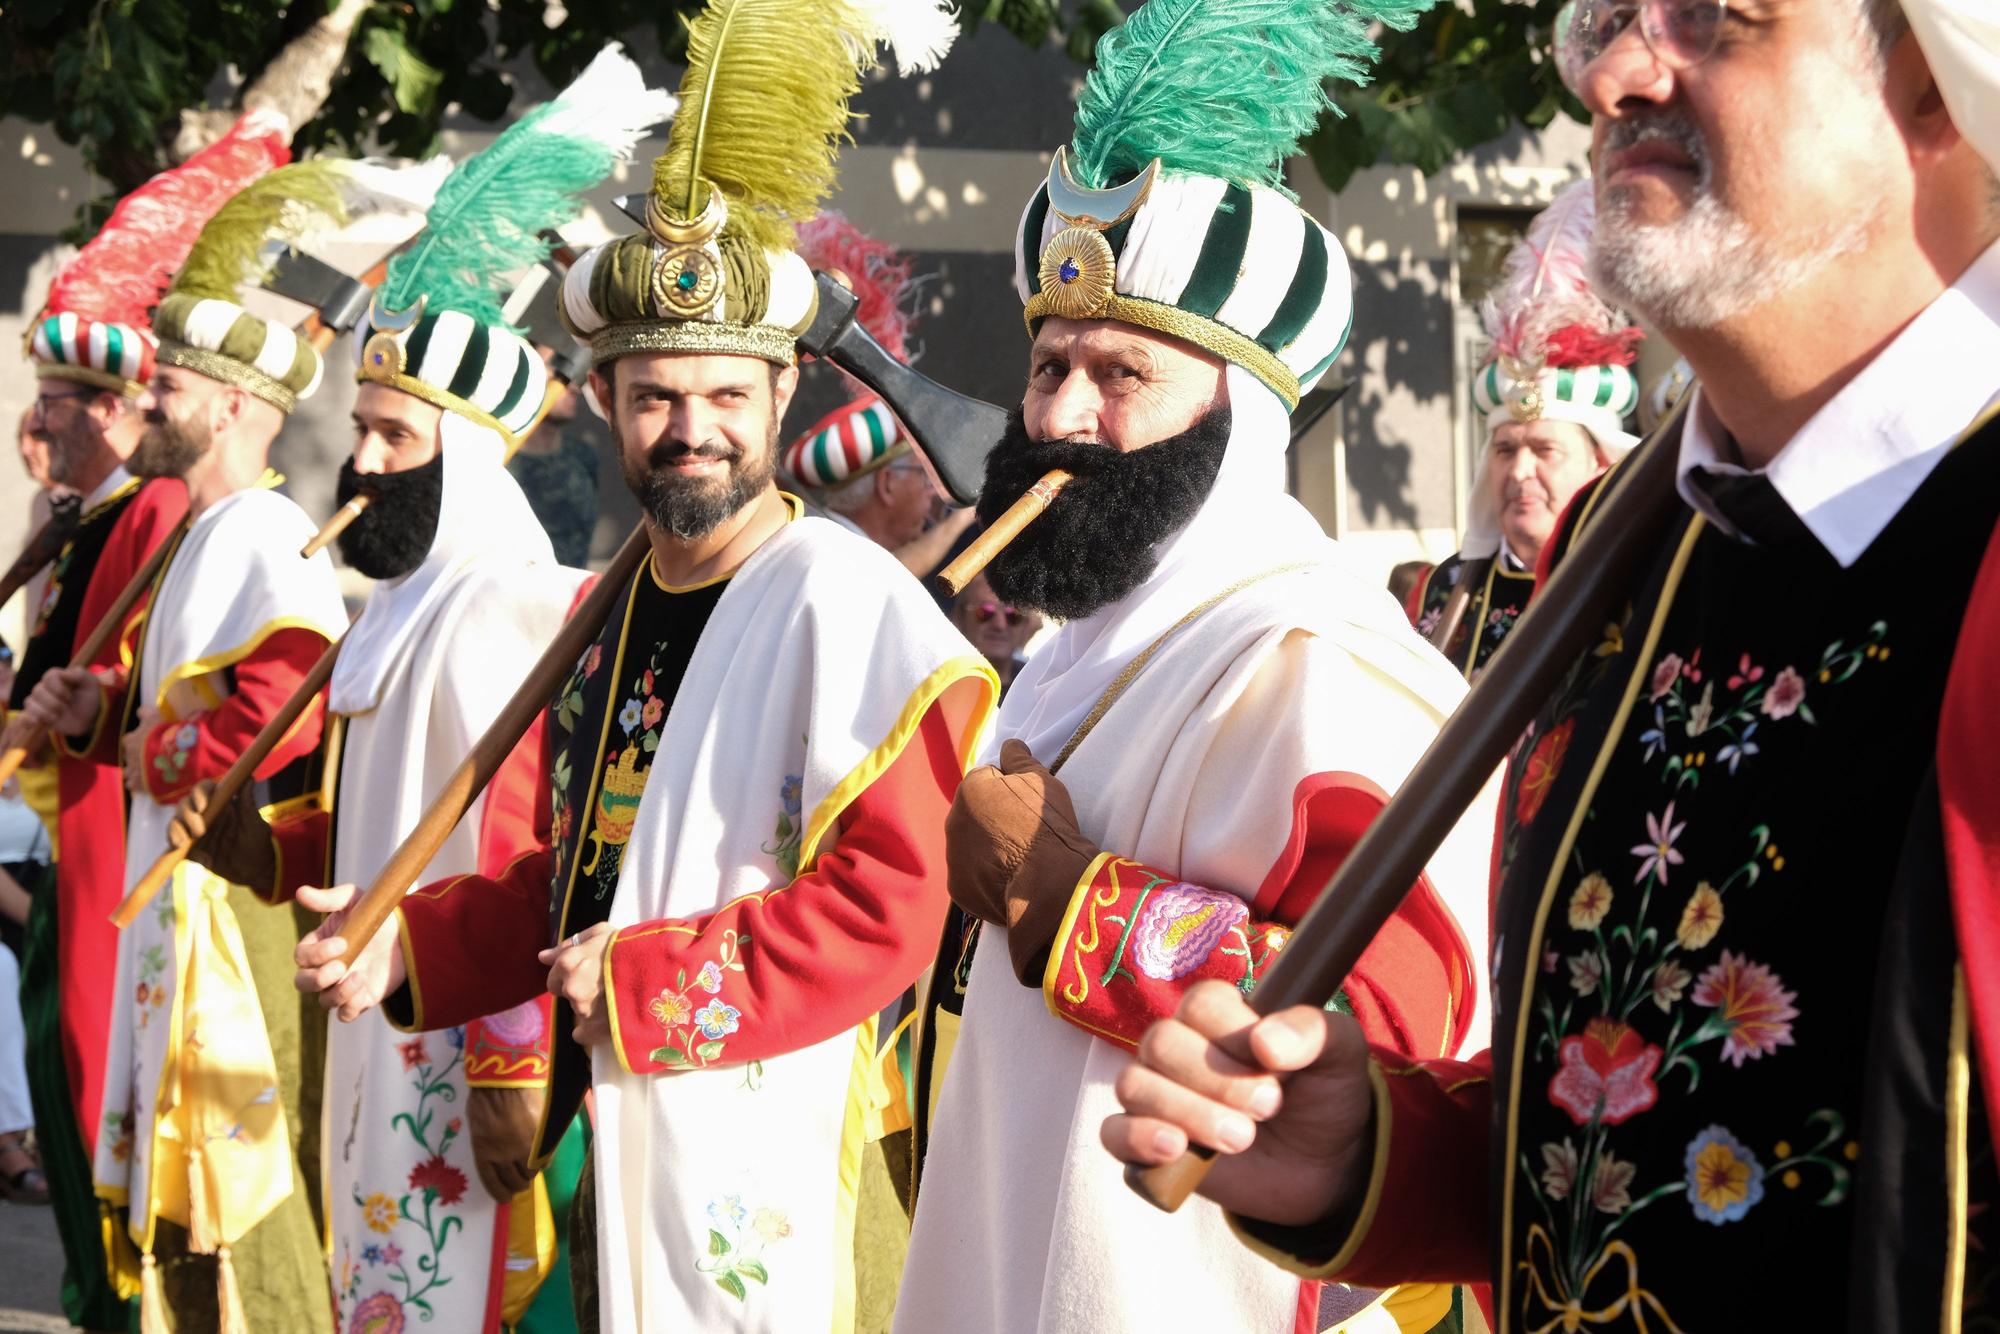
<point x="1581" y="345"/>
<point x="121" y="273"/>
<point x="879" y="273"/>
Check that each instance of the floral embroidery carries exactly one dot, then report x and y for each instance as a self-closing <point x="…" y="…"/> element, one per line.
<point x="377" y="1313"/>
<point x="1179" y="927"/>
<point x="1723" y="1179"/>
<point x="1657" y="853"/>
<point x="118" y="1126"/>
<point x="735" y="1255"/>
<point x="1590" y="902"/>
<point x="1785" y="697"/>
<point x="1757" y="1010"/>
<point x="379" y="1212"/>
<point x="1543" y="763"/>
<point x="150" y="993"/>
<point x="1701" y="919"/>
<point x="173" y="762"/>
<point x="1606" y="1075"/>
<point x="698" y="1044"/>
<point x="1585" y="972"/>
<point x="790" y="833"/>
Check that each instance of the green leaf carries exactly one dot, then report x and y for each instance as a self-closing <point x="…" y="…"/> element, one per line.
<point x="412" y="81"/>
<point x="708" y="1051"/>
<point x="753" y="1269"/>
<point x="732" y="1285"/>
<point x="717" y="1243"/>
<point x="670" y="1056"/>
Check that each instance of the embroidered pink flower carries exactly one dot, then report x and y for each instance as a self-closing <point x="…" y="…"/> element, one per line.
<point x="1180" y="926"/>
<point x="593" y="659"/>
<point x="377" y="1313"/>
<point x="709" y="979"/>
<point x="435" y="1174"/>
<point x="656" y="709"/>
<point x="1606" y="1074"/>
<point x="1782" y="700"/>
<point x="1664" y="675"/>
<point x="413" y="1053"/>
<point x="671" y="1008"/>
<point x="1746" y="673"/>
<point x="1753" y="1002"/>
<point x="1658" y="852"/>
<point x="518" y="1027"/>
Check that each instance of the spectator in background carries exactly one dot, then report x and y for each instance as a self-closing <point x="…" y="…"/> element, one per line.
<point x="24" y="855"/>
<point x="858" y="464"/>
<point x="998" y="629"/>
<point x="1407" y="577"/>
<point x="556" y="466"/>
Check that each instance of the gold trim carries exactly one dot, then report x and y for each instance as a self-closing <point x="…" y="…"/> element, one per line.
<point x="1957" y="1103"/>
<point x="229" y="370"/>
<point x="440" y="398"/>
<point x="1203" y="332"/>
<point x="705" y="226"/>
<point x="1077" y="295"/>
<point x="701" y="264"/>
<point x="767" y="341"/>
<point x="117" y="384"/>
<point x="1642" y="662"/>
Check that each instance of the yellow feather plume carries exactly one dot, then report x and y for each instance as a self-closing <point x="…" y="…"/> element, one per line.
<point x="283" y="205"/>
<point x="763" y="111"/>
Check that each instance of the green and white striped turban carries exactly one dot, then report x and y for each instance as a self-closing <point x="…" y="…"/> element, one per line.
<point x="488" y="375"/>
<point x="222" y="340"/>
<point x="104" y="354"/>
<point x="1597" y="398"/>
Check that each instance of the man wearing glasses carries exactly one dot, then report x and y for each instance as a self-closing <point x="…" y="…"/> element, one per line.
<point x="1746" y="1028"/>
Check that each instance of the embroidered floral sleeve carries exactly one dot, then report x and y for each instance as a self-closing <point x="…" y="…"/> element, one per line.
<point x="510" y="1049"/>
<point x="183" y="752"/>
<point x="779" y="971"/>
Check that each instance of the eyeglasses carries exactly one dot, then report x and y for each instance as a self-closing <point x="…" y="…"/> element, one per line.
<point x="42" y="401"/>
<point x="986" y="611"/>
<point x="1680" y="33"/>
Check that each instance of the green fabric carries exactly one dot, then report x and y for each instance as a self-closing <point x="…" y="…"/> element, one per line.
<point x="88" y="1297"/>
<point x="280" y="1265"/>
<point x="553" y="1310"/>
<point x="1220" y="264"/>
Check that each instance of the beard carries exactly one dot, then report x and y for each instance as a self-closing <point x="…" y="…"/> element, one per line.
<point x="1707" y="266"/>
<point x="66" y="448"/>
<point x="693" y="507"/>
<point x="1099" y="539"/>
<point x="169" y="448"/>
<point x="395" y="532"/>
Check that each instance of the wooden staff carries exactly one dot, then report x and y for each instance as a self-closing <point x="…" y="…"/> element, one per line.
<point x="1470" y="573"/>
<point x="19" y="739"/>
<point x="242" y="772"/>
<point x="528" y="702"/>
<point x="1566" y="618"/>
<point x="1003" y="530"/>
<point x="42" y="548"/>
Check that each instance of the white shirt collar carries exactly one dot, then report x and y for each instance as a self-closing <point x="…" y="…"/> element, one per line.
<point x="1852" y="467"/>
<point x="106" y="488"/>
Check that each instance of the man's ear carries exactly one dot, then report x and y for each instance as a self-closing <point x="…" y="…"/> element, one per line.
<point x="105" y="408"/>
<point x="1917" y="103"/>
<point x="783" y="386"/>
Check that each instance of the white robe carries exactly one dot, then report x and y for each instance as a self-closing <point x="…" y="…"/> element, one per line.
<point x="819" y="660"/>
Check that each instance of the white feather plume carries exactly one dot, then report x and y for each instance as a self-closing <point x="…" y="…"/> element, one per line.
<point x="610" y="104"/>
<point x="382" y="185"/>
<point x="918" y="33"/>
<point x="1545" y="281"/>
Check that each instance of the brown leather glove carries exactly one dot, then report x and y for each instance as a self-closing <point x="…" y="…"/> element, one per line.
<point x="1013" y="854"/>
<point x="234" y="841"/>
<point x="502" y="1122"/>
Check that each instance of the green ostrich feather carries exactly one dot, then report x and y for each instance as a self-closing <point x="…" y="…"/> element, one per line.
<point x="1224" y="88"/>
<point x="281" y="205"/>
<point x="763" y="111"/>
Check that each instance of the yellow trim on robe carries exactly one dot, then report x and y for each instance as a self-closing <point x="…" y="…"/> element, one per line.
<point x="792" y="502"/>
<point x="1053" y="969"/>
<point x="410" y="975"/>
<point x="1957" y="1105"/>
<point x="229" y="657"/>
<point x="853" y="1140"/>
<point x="610" y="994"/>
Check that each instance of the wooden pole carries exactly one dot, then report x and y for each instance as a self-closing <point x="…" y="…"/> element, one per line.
<point x="1566" y="618"/>
<point x="1453" y="612"/>
<point x="1004" y="529"/>
<point x="20" y="739"/>
<point x="239" y="775"/>
<point x="42" y="548"/>
<point x="460" y="790"/>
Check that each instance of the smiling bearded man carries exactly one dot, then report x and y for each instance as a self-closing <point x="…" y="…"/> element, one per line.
<point x="1226" y="704"/>
<point x="1746" y="972"/>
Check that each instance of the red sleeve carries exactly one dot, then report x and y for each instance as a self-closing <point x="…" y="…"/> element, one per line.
<point x="469" y="944"/>
<point x="510" y="1048"/>
<point x="298" y="836"/>
<point x="779" y="971"/>
<point x="1135" y="939"/>
<point x="148" y="520"/>
<point x="1413" y="601"/>
<point x="201" y="747"/>
<point x="1424" y="1217"/>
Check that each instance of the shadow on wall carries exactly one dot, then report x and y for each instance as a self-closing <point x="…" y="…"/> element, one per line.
<point x="1400" y="406"/>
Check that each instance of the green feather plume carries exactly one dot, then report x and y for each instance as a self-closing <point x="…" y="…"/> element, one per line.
<point x="763" y="111"/>
<point x="233" y="251"/>
<point x="487" y="220"/>
<point x="1224" y="88"/>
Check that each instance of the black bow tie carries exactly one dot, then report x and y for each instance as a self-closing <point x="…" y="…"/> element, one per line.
<point x="1752" y="506"/>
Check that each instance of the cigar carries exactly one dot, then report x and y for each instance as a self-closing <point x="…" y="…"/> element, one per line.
<point x="335" y="526"/>
<point x="1003" y="530"/>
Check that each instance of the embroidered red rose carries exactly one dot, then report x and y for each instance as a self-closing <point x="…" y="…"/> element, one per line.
<point x="1607" y="1074"/>
<point x="1538" y="772"/>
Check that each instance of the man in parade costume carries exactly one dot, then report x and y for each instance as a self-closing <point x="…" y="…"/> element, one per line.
<point x="93" y="352"/>
<point x="1554" y="396"/>
<point x="203" y="1162"/>
<point x="748" y="771"/>
<point x="1226" y="704"/>
<point x="467" y="596"/>
<point x="1745" y="970"/>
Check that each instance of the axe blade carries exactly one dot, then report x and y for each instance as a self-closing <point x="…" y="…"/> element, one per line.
<point x="952" y="432"/>
<point x="340" y="299"/>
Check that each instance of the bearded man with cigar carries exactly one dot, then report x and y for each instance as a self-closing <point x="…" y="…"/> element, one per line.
<point x="1747" y="1038"/>
<point x="1222" y="712"/>
<point x="748" y="770"/>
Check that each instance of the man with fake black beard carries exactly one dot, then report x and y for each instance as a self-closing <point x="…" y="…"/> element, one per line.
<point x="1177" y="771"/>
<point x="748" y="771"/>
<point x="1747" y="1032"/>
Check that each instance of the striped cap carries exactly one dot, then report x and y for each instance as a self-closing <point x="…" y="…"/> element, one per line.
<point x="1239" y="270"/>
<point x="99" y="353"/>
<point x="225" y="342"/>
<point x="487" y="375"/>
<point x="850" y="442"/>
<point x="1598" y="398"/>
